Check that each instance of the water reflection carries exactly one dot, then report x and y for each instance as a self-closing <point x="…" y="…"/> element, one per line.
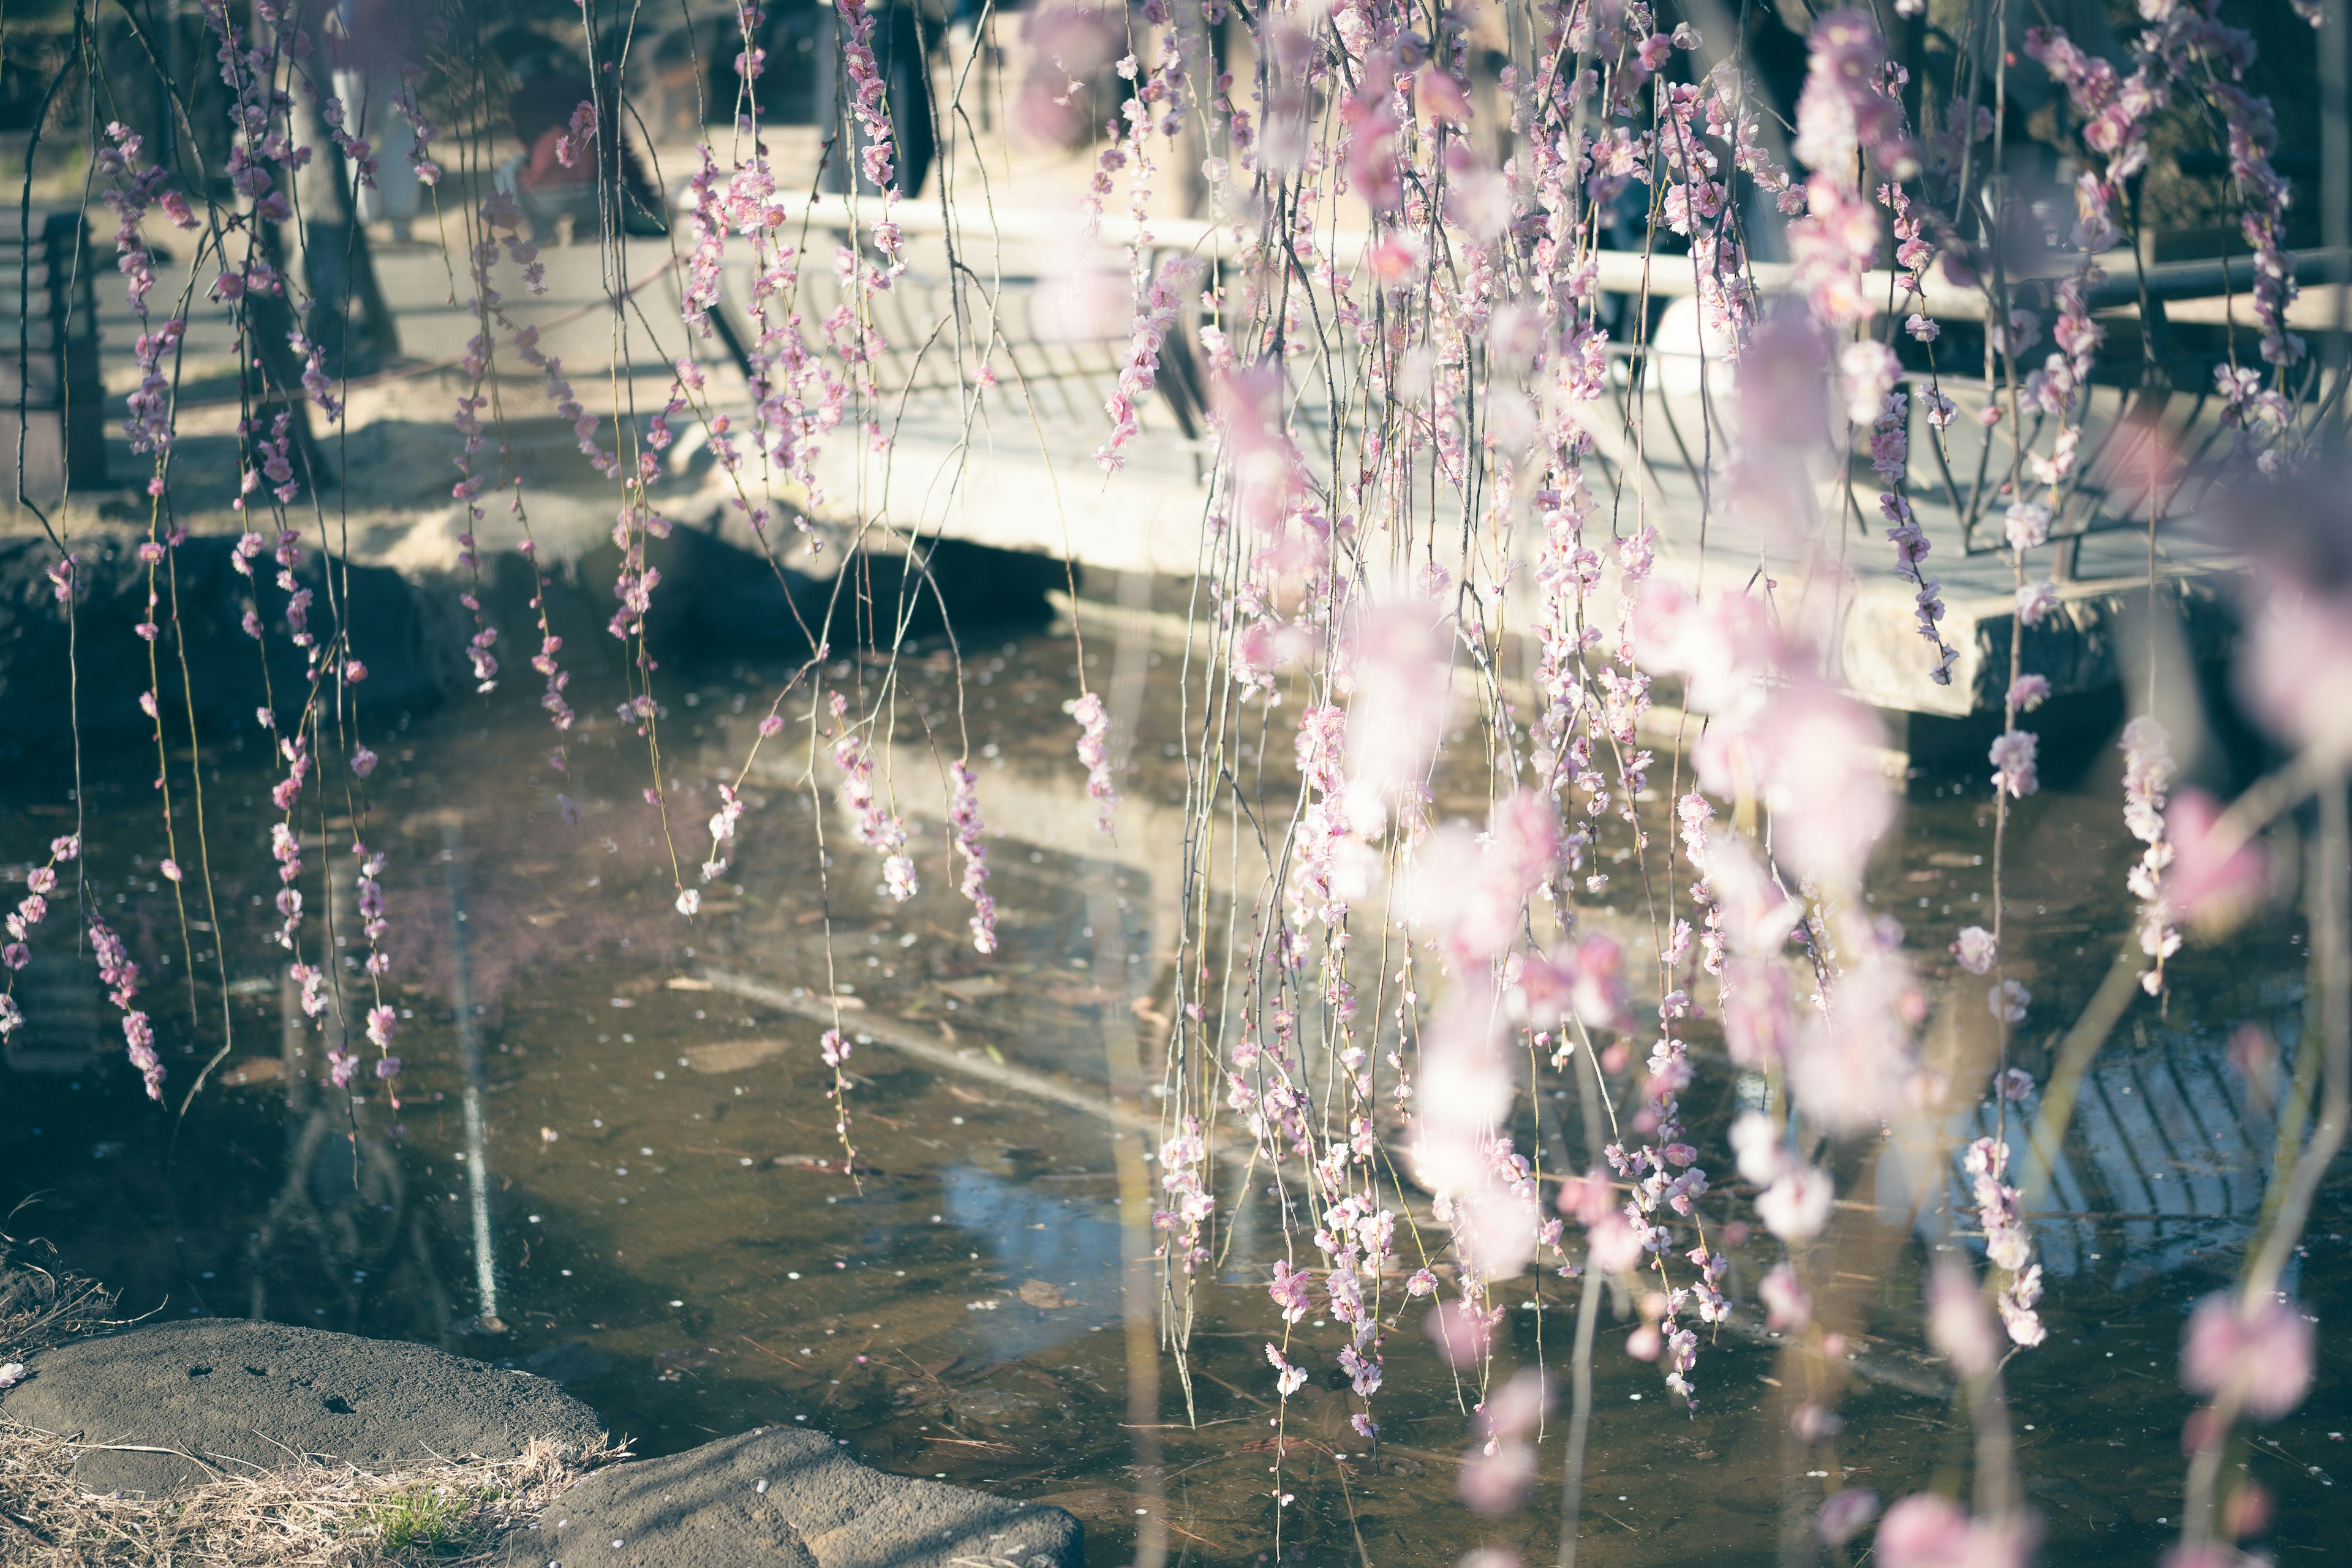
<point x="2171" y="1150"/>
<point x="1066" y="1258"/>
<point x="342" y="1228"/>
<point x="673" y="1234"/>
<point x="2182" y="1146"/>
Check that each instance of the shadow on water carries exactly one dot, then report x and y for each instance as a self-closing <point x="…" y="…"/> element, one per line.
<point x="719" y="597"/>
<point x="671" y="1233"/>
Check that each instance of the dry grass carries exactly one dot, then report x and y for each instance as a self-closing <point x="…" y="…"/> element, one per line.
<point x="309" y="1516"/>
<point x="40" y="1306"/>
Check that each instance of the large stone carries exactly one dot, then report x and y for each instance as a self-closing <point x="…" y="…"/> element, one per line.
<point x="789" y="1499"/>
<point x="243" y="1397"/>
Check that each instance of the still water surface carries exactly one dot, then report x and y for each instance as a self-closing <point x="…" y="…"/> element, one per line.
<point x="666" y="1226"/>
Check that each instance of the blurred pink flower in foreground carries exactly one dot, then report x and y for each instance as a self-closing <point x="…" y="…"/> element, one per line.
<point x="1402" y="662"/>
<point x="1925" y="1530"/>
<point x="1087" y="299"/>
<point x="1796" y="1206"/>
<point x="1465" y="1089"/>
<point x="1776" y="730"/>
<point x="1397" y="260"/>
<point x="1787" y="1306"/>
<point x="2206" y="877"/>
<point x="2294" y="668"/>
<point x="1842" y="1517"/>
<point x="1501" y="1463"/>
<point x="1959" y="1326"/>
<point x="1586" y="981"/>
<point x="1588" y="1197"/>
<point x="2296" y="672"/>
<point x="1756" y="1140"/>
<point x="1470" y="887"/>
<point x="1070" y="46"/>
<point x="1616" y="1246"/>
<point x="2206" y="1554"/>
<point x="1458" y="1329"/>
<point x="2263" y="1359"/>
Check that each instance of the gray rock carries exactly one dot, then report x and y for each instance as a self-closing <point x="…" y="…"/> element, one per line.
<point x="244" y="1397"/>
<point x="820" y="1508"/>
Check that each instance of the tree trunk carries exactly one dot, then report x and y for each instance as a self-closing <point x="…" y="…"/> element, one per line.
<point x="350" y="320"/>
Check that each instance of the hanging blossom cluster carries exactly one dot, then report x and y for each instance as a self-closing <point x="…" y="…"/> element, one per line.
<point x="136" y="189"/>
<point x="2016" y="771"/>
<point x="1850" y="119"/>
<point x="268" y="312"/>
<point x="496" y="223"/>
<point x="2009" y="1243"/>
<point x="2148" y="784"/>
<point x="1162" y="93"/>
<point x="2185" y="52"/>
<point x="120" y="977"/>
<point x="2013" y="755"/>
<point x="871" y="824"/>
<point x="16" y="953"/>
<point x="265" y="156"/>
<point x="1141" y="372"/>
<point x="796" y="394"/>
<point x="382" y="1021"/>
<point x="1292" y="545"/>
<point x="972" y="843"/>
<point x="1094" y="753"/>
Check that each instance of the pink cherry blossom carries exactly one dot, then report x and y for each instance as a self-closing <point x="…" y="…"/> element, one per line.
<point x="1925" y="1530"/>
<point x="2027" y="526"/>
<point x="2013" y="759"/>
<point x="2261" y="1357"/>
<point x="2036" y="603"/>
<point x="1975" y="949"/>
<point x="1797" y="1204"/>
<point x="1288" y="1379"/>
<point x="1787" y="1305"/>
<point x="2203" y="880"/>
<point x="1093" y="751"/>
<point x="1845" y="1515"/>
<point x="1958" y="1324"/>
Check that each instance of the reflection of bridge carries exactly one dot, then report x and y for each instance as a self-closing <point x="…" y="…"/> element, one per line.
<point x="2167" y="1160"/>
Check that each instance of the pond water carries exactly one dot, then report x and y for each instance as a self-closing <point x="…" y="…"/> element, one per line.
<point x="627" y="1157"/>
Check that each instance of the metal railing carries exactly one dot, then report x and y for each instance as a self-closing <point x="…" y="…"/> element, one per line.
<point x="2152" y="399"/>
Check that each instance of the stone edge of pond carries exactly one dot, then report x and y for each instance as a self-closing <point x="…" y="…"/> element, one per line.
<point x="161" y="1409"/>
<point x="779" y="1494"/>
